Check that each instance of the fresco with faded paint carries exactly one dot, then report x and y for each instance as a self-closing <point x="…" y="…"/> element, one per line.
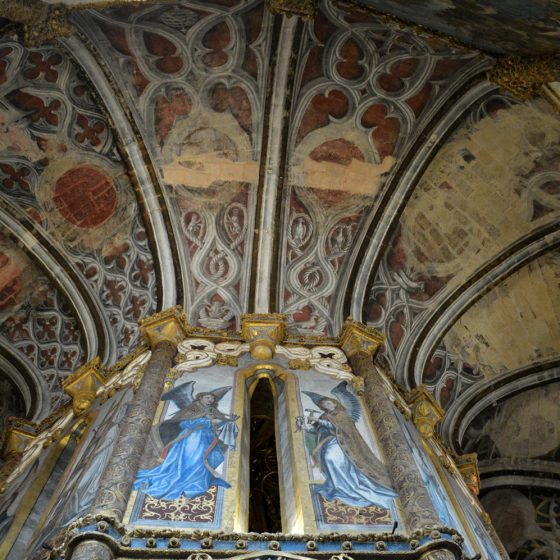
<point x="198" y="100"/>
<point x="526" y="520"/>
<point x="502" y="431"/>
<point x="62" y="175"/>
<point x="349" y="485"/>
<point x="37" y="319"/>
<point x="184" y="473"/>
<point x="511" y="343"/>
<point x="363" y="91"/>
<point x="454" y="224"/>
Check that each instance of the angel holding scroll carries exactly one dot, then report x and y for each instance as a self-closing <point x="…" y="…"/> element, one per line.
<point x="353" y="474"/>
<point x="194" y="440"/>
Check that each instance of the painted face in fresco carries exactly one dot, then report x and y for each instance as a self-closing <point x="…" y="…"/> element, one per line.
<point x="328" y="405"/>
<point x="207" y="400"/>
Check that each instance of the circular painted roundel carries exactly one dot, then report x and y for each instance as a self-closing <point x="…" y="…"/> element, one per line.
<point x="85" y="196"/>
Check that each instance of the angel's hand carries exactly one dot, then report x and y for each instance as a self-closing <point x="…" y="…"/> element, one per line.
<point x="234" y="417"/>
<point x="311" y="420"/>
<point x="216" y="421"/>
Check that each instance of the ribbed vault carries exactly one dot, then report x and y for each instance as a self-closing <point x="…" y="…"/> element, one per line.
<point x="222" y="157"/>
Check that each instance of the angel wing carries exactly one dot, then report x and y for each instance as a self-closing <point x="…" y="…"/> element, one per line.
<point x="315" y="397"/>
<point x="219" y="393"/>
<point x="182" y="395"/>
<point x="348" y="399"/>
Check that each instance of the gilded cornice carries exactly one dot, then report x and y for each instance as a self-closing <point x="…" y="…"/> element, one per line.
<point x="523" y="77"/>
<point x="40" y="22"/>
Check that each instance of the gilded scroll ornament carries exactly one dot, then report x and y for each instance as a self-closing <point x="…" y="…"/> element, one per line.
<point x="194" y="353"/>
<point x="25" y="440"/>
<point x="298" y="363"/>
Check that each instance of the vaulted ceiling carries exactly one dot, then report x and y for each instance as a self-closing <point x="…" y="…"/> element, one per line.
<point x="220" y="156"/>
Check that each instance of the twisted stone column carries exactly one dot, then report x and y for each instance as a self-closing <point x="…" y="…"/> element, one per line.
<point x="119" y="474"/>
<point x="417" y="504"/>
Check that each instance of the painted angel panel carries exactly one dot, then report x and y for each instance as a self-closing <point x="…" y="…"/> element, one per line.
<point x="192" y="442"/>
<point x="353" y="474"/>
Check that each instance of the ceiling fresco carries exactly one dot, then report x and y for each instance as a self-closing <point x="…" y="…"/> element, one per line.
<point x="499" y="26"/>
<point x="221" y="156"/>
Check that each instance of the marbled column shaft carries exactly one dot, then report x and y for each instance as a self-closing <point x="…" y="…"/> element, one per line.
<point x="92" y="550"/>
<point x="415" y="499"/>
<point x="120" y="472"/>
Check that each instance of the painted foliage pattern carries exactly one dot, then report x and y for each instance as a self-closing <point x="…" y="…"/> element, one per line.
<point x="60" y="169"/>
<point x="194" y="78"/>
<point x="364" y="91"/>
<point x="440" y="240"/>
<point x="184" y="469"/>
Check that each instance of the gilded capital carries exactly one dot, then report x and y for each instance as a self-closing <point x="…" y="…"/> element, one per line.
<point x="426" y="412"/>
<point x="169" y="325"/>
<point x="468" y="467"/>
<point x="83" y="384"/>
<point x="263" y="331"/>
<point x="356" y="337"/>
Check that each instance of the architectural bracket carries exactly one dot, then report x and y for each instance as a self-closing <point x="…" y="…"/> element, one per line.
<point x="356" y="337"/>
<point x="263" y="332"/>
<point x="83" y="384"/>
<point x="169" y="325"/>
<point x="426" y="412"/>
<point x="468" y="467"/>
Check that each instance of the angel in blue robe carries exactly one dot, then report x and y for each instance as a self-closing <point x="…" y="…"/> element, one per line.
<point x="353" y="474"/>
<point x="194" y="440"/>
